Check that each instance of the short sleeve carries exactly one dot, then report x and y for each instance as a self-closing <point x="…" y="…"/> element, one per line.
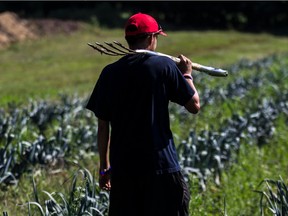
<point x="98" y="101"/>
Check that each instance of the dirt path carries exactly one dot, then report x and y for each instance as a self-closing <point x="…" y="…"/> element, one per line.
<point x="14" y="29"/>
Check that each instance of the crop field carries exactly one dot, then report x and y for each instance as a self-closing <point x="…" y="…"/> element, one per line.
<point x="233" y="153"/>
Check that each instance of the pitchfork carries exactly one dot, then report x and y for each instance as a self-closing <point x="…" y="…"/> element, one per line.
<point x="117" y="49"/>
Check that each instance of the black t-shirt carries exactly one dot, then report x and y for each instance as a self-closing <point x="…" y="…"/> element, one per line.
<point x="133" y="95"/>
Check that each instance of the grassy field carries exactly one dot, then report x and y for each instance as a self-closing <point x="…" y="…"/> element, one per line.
<point x="65" y="64"/>
<point x="239" y="182"/>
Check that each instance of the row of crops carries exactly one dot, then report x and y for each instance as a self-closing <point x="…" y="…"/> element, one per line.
<point x="48" y="133"/>
<point x="44" y="133"/>
<point x="208" y="152"/>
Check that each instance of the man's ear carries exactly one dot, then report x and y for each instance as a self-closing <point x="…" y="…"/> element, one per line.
<point x="150" y="38"/>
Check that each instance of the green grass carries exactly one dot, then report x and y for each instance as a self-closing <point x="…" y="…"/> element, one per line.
<point x="15" y="198"/>
<point x="66" y="64"/>
<point x="239" y="182"/>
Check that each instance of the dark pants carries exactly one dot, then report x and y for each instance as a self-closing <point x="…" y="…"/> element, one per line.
<point x="158" y="195"/>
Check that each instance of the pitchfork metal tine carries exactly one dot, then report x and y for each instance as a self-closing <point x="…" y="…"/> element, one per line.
<point x="122" y="52"/>
<point x="101" y="50"/>
<point x="109" y="50"/>
<point x="119" y="44"/>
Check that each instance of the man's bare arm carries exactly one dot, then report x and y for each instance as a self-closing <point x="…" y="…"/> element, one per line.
<point x="103" y="143"/>
<point x="103" y="148"/>
<point x="193" y="105"/>
<point x="185" y="65"/>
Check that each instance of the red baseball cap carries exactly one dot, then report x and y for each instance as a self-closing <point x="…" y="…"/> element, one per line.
<point x="142" y="23"/>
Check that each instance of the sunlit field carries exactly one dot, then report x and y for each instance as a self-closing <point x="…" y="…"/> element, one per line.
<point x="48" y="145"/>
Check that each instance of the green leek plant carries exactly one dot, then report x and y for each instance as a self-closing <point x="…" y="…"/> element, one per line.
<point x="274" y="198"/>
<point x="84" y="198"/>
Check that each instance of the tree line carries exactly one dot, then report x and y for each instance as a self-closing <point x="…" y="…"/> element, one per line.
<point x="253" y="16"/>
